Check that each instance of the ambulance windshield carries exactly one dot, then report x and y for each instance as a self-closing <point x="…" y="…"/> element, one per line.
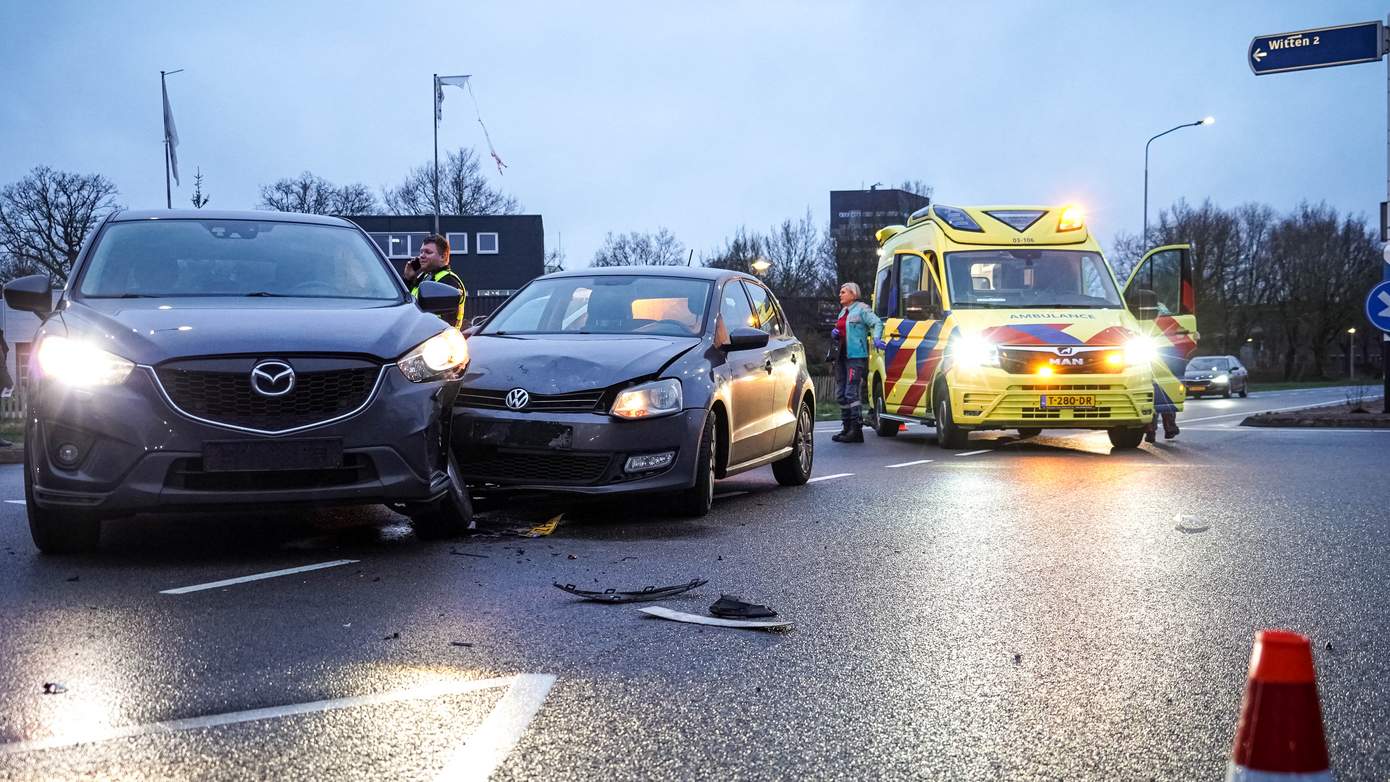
<point x="1017" y="278"/>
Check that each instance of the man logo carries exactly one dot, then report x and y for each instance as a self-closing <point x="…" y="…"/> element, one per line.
<point x="517" y="399"/>
<point x="1066" y="351"/>
<point x="272" y="378"/>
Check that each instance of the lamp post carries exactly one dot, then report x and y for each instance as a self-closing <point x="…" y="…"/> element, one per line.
<point x="1203" y="121"/>
<point x="760" y="265"/>
<point x="1351" y="354"/>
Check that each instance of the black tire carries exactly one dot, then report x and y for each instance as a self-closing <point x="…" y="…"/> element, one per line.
<point x="948" y="435"/>
<point x="1245" y="389"/>
<point x="450" y="516"/>
<point x="697" y="500"/>
<point x="59" y="532"/>
<point x="881" y="426"/>
<point x="1227" y="393"/>
<point x="1126" y="439"/>
<point x="1029" y="431"/>
<point x="795" y="469"/>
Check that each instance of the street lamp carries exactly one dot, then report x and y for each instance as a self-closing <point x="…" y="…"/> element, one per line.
<point x="1351" y="354"/>
<point x="1200" y="122"/>
<point x="761" y="265"/>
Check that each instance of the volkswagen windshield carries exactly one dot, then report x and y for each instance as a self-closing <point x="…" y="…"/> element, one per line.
<point x="1027" y="278"/>
<point x="606" y="304"/>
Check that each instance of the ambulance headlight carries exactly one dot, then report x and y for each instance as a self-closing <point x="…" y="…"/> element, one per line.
<point x="1140" y="352"/>
<point x="441" y="356"/>
<point x="79" y="364"/>
<point x="973" y="351"/>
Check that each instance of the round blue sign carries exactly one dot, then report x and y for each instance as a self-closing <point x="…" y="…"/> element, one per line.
<point x="1378" y="306"/>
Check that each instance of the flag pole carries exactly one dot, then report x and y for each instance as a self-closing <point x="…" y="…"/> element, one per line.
<point x="168" y="193"/>
<point x="434" y="98"/>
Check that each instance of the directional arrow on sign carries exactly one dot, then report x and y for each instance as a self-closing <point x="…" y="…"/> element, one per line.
<point x="1385" y="299"/>
<point x="1260" y="54"/>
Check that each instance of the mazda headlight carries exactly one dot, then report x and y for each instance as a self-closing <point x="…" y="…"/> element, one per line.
<point x="661" y="397"/>
<point x="442" y="356"/>
<point x="1140" y="352"/>
<point x="79" y="364"/>
<point x="973" y="351"/>
<point x="1221" y="379"/>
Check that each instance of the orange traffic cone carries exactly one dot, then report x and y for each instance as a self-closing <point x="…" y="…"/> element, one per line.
<point x="1280" y="732"/>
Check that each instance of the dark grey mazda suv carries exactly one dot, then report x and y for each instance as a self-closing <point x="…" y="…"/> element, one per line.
<point x="629" y="380"/>
<point x="217" y="360"/>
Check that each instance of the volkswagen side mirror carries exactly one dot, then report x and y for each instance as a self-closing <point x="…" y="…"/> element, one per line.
<point x="746" y="338"/>
<point x="31" y="294"/>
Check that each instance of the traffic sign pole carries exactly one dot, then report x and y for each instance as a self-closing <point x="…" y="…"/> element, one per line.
<point x="1385" y="268"/>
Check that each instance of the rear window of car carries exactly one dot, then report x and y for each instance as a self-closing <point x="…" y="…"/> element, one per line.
<point x="179" y="258"/>
<point x="606" y="304"/>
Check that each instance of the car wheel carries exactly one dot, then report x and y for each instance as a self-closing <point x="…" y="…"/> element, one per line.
<point x="447" y="517"/>
<point x="697" y="500"/>
<point x="1126" y="439"/>
<point x="881" y="425"/>
<point x="1227" y="393"/>
<point x="1245" y="389"/>
<point x="948" y="435"/>
<point x="795" y="469"/>
<point x="59" y="532"/>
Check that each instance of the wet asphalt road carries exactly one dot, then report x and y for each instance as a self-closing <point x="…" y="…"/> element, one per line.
<point x="1023" y="609"/>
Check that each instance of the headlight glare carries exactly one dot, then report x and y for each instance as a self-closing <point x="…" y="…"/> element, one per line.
<point x="440" y="356"/>
<point x="76" y="363"/>
<point x="973" y="351"/>
<point x="661" y="397"/>
<point x="1222" y="378"/>
<point x="1140" y="352"/>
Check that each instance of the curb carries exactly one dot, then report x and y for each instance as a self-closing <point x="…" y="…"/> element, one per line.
<point x="1371" y="421"/>
<point x="12" y="455"/>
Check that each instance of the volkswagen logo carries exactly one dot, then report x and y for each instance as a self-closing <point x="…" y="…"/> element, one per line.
<point x="517" y="399"/>
<point x="1066" y="351"/>
<point x="272" y="378"/>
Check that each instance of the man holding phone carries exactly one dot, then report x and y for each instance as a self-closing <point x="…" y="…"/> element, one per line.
<point x="432" y="263"/>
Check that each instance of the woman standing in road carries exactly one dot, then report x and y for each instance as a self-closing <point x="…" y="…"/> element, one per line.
<point x="851" y="336"/>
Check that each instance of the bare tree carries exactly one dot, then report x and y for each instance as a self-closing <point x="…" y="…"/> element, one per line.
<point x="739" y="251"/>
<point x="916" y="186"/>
<point x="463" y="190"/>
<point x="199" y="199"/>
<point x="640" y="249"/>
<point x="311" y="194"/>
<point x="801" y="258"/>
<point x="46" y="216"/>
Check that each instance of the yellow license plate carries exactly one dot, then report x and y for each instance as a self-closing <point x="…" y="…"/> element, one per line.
<point x="1055" y="401"/>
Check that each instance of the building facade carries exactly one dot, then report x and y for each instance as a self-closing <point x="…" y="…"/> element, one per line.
<point x="494" y="254"/>
<point x="854" y="217"/>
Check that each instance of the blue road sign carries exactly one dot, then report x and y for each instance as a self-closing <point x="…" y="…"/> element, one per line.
<point x="1319" y="48"/>
<point x="1378" y="307"/>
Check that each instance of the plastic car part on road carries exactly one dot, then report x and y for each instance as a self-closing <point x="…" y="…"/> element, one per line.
<point x="645" y="593"/>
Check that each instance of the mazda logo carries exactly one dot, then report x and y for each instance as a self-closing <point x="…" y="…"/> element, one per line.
<point x="272" y="378"/>
<point x="1065" y="351"/>
<point x="517" y="399"/>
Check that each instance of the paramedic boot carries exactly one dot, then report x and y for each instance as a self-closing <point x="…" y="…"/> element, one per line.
<point x="855" y="435"/>
<point x="840" y="436"/>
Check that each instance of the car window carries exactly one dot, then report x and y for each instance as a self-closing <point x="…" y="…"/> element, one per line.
<point x="606" y="304"/>
<point x="734" y="308"/>
<point x="175" y="258"/>
<point x="765" y="309"/>
<point x="885" y="299"/>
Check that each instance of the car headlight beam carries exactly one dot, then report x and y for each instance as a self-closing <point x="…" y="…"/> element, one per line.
<point x="1221" y="379"/>
<point x="1140" y="352"/>
<point x="648" y="400"/>
<point x="441" y="356"/>
<point x="76" y="363"/>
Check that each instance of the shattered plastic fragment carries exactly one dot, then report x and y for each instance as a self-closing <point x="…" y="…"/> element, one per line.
<point x="646" y="593"/>
<point x="541" y="530"/>
<point x="1188" y="523"/>
<point x="53" y="688"/>
<point x="662" y="612"/>
<point x="734" y="607"/>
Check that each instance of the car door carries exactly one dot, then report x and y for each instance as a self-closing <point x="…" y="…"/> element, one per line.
<point x="786" y="355"/>
<point x="751" y="383"/>
<point x="912" y="335"/>
<point x="1161" y="296"/>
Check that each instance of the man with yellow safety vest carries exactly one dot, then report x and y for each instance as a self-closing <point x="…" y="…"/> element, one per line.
<point x="433" y="264"/>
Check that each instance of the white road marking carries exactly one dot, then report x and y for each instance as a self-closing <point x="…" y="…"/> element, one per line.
<point x="973" y="453"/>
<point x="256" y="577"/>
<point x="15" y="502"/>
<point x="828" y="477"/>
<point x="909" y="464"/>
<point x="427" y="692"/>
<point x="479" y="756"/>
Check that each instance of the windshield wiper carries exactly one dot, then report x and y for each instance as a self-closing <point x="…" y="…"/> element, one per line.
<point x="269" y="294"/>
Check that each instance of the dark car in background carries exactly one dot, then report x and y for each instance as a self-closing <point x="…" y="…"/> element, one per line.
<point x="628" y="380"/>
<point x="1222" y="375"/>
<point x="225" y="360"/>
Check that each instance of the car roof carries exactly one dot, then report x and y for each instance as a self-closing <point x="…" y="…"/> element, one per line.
<point x="687" y="272"/>
<point x="263" y="216"/>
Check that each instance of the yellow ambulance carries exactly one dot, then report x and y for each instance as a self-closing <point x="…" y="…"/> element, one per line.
<point x="1009" y="317"/>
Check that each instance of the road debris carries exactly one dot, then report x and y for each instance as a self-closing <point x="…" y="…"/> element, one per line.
<point x="645" y="593"/>
<point x="75" y="578"/>
<point x="53" y="688"/>
<point x="571" y="556"/>
<point x="458" y="553"/>
<point x="542" y="529"/>
<point x="1018" y="658"/>
<point x="392" y="637"/>
<point x="1191" y="524"/>
<point x="661" y="612"/>
<point x="734" y="607"/>
<point x="461" y="643"/>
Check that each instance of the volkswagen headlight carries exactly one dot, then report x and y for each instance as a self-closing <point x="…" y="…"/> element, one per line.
<point x="1140" y="352"/>
<point x="972" y="351"/>
<point x="442" y="356"/>
<point x="76" y="363"/>
<point x="1221" y="379"/>
<point x="661" y="397"/>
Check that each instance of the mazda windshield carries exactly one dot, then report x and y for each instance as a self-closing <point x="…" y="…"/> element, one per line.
<point x="183" y="258"/>
<point x="606" y="304"/>
<point x="1027" y="278"/>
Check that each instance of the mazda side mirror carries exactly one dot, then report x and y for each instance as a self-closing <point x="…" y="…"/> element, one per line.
<point x="31" y="294"/>
<point x="746" y="338"/>
<point x="436" y="298"/>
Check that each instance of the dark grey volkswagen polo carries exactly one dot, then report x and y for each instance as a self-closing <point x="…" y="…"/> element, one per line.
<point x="650" y="379"/>
<point x="218" y="360"/>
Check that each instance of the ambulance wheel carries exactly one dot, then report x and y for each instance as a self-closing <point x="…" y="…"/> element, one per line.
<point x="948" y="435"/>
<point x="1026" y="432"/>
<point x="881" y="426"/>
<point x="1126" y="439"/>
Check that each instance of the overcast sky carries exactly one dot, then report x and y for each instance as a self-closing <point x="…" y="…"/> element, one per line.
<point x="705" y="116"/>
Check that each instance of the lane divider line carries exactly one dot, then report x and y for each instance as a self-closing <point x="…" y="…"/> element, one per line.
<point x="973" y="453"/>
<point x="483" y="752"/>
<point x="909" y="464"/>
<point x="256" y="577"/>
<point x="427" y="692"/>
<point x="820" y="478"/>
<point x="15" y="502"/>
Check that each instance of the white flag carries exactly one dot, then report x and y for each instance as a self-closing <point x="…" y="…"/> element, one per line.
<point x="439" y="83"/>
<point x="171" y="134"/>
